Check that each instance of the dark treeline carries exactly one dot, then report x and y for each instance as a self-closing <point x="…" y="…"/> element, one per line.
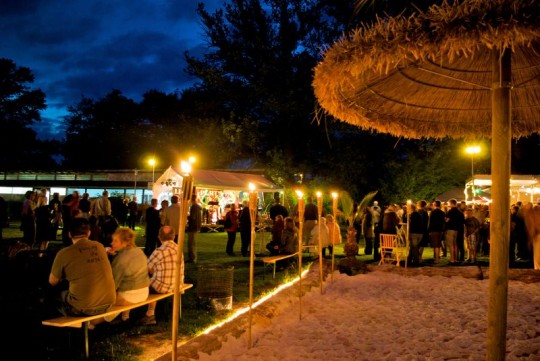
<point x="252" y="107"/>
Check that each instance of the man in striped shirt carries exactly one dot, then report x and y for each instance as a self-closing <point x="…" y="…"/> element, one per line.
<point x="161" y="266"/>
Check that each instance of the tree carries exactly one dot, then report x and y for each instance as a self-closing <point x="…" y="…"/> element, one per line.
<point x="258" y="76"/>
<point x="20" y="108"/>
<point x="103" y="134"/>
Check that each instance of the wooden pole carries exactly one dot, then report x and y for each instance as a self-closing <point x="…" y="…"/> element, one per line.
<point x="334" y="213"/>
<point x="301" y="206"/>
<point x="501" y="134"/>
<point x="319" y="210"/>
<point x="187" y="191"/>
<point x="253" y="217"/>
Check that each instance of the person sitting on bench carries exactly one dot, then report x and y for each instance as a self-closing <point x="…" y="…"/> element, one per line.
<point x="130" y="272"/>
<point x="162" y="266"/>
<point x="86" y="268"/>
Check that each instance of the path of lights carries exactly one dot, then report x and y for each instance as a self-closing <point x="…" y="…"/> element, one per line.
<point x="256" y="304"/>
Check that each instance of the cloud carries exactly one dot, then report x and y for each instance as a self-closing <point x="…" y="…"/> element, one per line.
<point x="87" y="48"/>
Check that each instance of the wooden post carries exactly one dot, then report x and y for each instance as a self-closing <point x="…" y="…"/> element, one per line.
<point x="319" y="218"/>
<point x="187" y="191"/>
<point x="253" y="217"/>
<point x="501" y="134"/>
<point x="334" y="213"/>
<point x="300" y="206"/>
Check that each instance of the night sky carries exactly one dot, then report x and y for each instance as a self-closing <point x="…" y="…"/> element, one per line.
<point x="88" y="48"/>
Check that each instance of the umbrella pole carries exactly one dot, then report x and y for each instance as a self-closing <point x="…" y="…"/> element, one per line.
<point x="500" y="208"/>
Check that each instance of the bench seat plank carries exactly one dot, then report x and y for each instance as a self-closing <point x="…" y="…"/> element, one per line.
<point x="274" y="259"/>
<point x="76" y="321"/>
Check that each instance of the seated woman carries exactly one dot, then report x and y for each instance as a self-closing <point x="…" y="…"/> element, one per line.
<point x="289" y="237"/>
<point x="130" y="271"/>
<point x="274" y="245"/>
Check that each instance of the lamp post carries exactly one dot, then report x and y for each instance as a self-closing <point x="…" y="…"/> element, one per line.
<point x="253" y="206"/>
<point x="152" y="162"/>
<point x="187" y="191"/>
<point x="300" y="205"/>
<point x="319" y="211"/>
<point x="472" y="150"/>
<point x="334" y="212"/>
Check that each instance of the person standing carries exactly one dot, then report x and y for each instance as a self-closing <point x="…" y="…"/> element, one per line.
<point x="101" y="208"/>
<point x="162" y="267"/>
<point x="367" y="230"/>
<point x="421" y="209"/>
<point x="244" y="219"/>
<point x="85" y="205"/>
<point x="311" y="213"/>
<point x="231" y="227"/>
<point x="55" y="209"/>
<point x="278" y="208"/>
<point x="86" y="267"/>
<point x="334" y="234"/>
<point x="70" y="203"/>
<point x="194" y="223"/>
<point x="133" y="207"/>
<point x="436" y="229"/>
<point x="472" y="228"/>
<point x="153" y="223"/>
<point x="28" y="218"/>
<point x="3" y="216"/>
<point x="43" y="221"/>
<point x="415" y="235"/>
<point x="532" y="224"/>
<point x="172" y="216"/>
<point x="455" y="222"/>
<point x="163" y="210"/>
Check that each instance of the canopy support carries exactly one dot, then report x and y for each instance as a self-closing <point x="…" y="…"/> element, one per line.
<point x="501" y="134"/>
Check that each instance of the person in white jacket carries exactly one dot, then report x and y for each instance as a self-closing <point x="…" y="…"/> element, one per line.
<point x="314" y="239"/>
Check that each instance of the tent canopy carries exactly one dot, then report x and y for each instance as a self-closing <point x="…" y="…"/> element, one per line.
<point x="220" y="180"/>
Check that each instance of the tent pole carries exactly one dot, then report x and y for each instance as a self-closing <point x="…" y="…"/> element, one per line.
<point x="500" y="208"/>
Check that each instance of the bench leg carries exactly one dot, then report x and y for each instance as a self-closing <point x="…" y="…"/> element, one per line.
<point x="274" y="276"/>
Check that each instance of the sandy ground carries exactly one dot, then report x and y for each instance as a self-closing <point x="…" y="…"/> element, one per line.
<point x="157" y="346"/>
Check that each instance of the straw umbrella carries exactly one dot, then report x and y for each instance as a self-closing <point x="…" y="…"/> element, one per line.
<point x="465" y="70"/>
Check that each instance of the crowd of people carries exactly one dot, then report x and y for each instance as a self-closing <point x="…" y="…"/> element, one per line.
<point x="456" y="230"/>
<point x="42" y="218"/>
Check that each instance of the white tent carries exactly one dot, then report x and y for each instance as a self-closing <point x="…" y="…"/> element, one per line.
<point x="213" y="187"/>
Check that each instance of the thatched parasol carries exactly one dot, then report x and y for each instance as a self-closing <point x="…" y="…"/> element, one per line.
<point x="465" y="70"/>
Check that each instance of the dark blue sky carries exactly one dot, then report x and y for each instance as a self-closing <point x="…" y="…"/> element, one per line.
<point x="87" y="48"/>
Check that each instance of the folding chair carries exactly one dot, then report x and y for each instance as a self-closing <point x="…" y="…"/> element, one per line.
<point x="389" y="248"/>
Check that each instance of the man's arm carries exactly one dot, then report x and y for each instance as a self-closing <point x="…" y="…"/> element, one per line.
<point x="53" y="280"/>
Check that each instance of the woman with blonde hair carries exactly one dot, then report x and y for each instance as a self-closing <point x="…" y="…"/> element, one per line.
<point x="130" y="271"/>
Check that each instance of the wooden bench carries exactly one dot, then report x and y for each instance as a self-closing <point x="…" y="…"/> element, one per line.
<point x="84" y="321"/>
<point x="274" y="259"/>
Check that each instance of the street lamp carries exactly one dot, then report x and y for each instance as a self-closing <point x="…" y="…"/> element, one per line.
<point x="472" y="150"/>
<point x="152" y="162"/>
